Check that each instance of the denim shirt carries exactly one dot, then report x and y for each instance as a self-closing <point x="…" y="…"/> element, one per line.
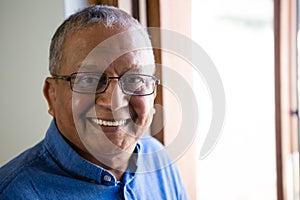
<point x="53" y="170"/>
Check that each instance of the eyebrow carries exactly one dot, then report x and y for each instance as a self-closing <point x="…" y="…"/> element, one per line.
<point x="136" y="69"/>
<point x="91" y="68"/>
<point x="88" y="67"/>
<point x="129" y="69"/>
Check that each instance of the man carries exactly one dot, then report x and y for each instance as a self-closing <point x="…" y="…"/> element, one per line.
<point x="101" y="94"/>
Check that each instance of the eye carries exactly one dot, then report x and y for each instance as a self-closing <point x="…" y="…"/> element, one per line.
<point x="87" y="79"/>
<point x="133" y="79"/>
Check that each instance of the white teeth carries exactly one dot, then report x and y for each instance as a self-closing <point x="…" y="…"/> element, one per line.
<point x="109" y="123"/>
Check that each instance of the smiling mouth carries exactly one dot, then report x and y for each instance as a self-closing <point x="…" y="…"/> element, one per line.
<point x="109" y="123"/>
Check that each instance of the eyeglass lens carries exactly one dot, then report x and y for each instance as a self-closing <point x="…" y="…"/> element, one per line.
<point x="133" y="84"/>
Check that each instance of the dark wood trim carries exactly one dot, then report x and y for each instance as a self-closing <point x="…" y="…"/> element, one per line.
<point x="153" y="20"/>
<point x="104" y="2"/>
<point x="278" y="114"/>
<point x="153" y="13"/>
<point x="135" y="7"/>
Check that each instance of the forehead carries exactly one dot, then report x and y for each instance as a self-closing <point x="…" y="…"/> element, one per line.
<point x="103" y="47"/>
<point x="136" y="61"/>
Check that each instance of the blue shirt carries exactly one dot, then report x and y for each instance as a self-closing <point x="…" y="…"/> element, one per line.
<point x="53" y="170"/>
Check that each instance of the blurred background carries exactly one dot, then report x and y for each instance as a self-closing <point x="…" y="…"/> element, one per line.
<point x="253" y="45"/>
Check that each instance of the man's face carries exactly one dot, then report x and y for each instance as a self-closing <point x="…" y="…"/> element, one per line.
<point x="109" y="122"/>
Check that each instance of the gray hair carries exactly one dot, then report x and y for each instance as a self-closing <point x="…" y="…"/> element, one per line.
<point x="106" y="15"/>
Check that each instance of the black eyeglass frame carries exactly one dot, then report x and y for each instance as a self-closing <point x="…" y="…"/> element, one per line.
<point x="68" y="78"/>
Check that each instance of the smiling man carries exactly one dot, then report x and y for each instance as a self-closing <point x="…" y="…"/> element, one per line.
<point x="101" y="94"/>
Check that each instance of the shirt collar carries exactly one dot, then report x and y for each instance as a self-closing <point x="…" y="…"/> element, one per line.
<point x="78" y="167"/>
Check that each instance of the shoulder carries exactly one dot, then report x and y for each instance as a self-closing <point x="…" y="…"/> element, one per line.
<point x="20" y="168"/>
<point x="155" y="165"/>
<point x="150" y="144"/>
<point x="19" y="186"/>
<point x="153" y="156"/>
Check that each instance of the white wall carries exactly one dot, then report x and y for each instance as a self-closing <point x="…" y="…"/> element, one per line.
<point x="26" y="30"/>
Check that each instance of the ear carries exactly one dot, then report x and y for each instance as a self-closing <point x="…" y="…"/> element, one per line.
<point x="49" y="91"/>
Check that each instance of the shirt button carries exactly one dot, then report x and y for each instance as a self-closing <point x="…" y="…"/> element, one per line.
<point x="107" y="178"/>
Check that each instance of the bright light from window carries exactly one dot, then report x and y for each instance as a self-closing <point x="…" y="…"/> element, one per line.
<point x="238" y="36"/>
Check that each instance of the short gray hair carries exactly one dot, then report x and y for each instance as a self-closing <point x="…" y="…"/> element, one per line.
<point x="106" y="15"/>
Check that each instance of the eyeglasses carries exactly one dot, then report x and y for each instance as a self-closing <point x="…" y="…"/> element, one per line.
<point x="96" y="83"/>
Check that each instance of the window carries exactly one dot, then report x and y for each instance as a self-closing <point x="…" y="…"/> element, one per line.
<point x="238" y="36"/>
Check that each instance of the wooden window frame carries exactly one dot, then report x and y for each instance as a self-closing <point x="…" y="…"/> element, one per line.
<point x="104" y="2"/>
<point x="286" y="97"/>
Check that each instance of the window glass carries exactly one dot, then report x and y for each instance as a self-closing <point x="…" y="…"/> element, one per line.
<point x="238" y="37"/>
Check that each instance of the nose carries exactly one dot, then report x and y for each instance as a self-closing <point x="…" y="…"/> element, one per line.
<point x="113" y="98"/>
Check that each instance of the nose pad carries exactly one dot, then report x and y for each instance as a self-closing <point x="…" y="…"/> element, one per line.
<point x="113" y="98"/>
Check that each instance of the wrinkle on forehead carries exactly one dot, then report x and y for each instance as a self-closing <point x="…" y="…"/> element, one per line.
<point x="120" y="44"/>
<point x="138" y="63"/>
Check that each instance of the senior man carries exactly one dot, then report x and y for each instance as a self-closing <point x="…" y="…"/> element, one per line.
<point x="101" y="94"/>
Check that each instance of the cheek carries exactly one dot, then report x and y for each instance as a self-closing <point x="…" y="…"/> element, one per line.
<point x="63" y="108"/>
<point x="71" y="110"/>
<point x="81" y="104"/>
<point x="142" y="106"/>
<point x="64" y="117"/>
